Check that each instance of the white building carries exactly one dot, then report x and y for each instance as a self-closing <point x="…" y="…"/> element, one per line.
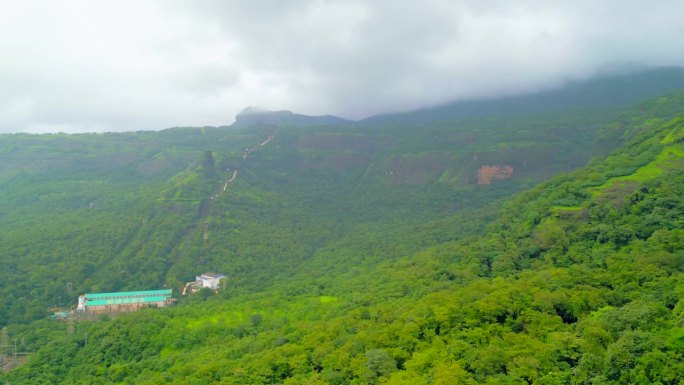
<point x="209" y="280"/>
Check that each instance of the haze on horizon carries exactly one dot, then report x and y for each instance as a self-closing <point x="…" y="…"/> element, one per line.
<point x="84" y="66"/>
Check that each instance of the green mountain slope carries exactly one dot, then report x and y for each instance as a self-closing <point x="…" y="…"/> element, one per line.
<point x="141" y="210"/>
<point x="578" y="280"/>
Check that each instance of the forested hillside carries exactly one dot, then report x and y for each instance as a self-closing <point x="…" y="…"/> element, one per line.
<point x="107" y="212"/>
<point x="356" y="255"/>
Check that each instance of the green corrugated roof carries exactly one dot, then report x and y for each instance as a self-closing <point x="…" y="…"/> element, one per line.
<point x="124" y="300"/>
<point x="127" y="294"/>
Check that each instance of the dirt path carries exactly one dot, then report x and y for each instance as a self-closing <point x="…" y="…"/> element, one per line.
<point x="248" y="151"/>
<point x="207" y="205"/>
<point x="235" y="173"/>
<point x="245" y="154"/>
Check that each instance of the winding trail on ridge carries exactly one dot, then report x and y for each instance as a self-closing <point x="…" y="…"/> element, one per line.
<point x="209" y="202"/>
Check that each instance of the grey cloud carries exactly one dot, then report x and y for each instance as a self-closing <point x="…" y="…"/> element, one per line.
<point x="208" y="81"/>
<point x="82" y="65"/>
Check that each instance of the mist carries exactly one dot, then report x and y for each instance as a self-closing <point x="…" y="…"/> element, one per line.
<point x="80" y="66"/>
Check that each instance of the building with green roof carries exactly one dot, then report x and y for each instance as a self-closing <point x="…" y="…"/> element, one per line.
<point x="123" y="301"/>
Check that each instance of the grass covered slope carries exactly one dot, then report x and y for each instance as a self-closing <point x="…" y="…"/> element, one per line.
<point x="579" y="280"/>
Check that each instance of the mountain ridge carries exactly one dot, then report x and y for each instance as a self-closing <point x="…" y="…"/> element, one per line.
<point x="577" y="280"/>
<point x="258" y="116"/>
<point x="354" y="254"/>
<point x="603" y="91"/>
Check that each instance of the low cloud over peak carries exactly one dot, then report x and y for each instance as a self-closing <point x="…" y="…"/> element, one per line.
<point x="92" y="66"/>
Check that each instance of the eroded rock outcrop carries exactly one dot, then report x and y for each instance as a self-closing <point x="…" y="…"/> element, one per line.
<point x="487" y="174"/>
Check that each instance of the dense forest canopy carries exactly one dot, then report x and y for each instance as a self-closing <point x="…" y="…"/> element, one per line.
<point x="421" y="253"/>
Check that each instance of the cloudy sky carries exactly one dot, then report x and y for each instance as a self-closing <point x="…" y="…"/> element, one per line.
<point x="123" y="65"/>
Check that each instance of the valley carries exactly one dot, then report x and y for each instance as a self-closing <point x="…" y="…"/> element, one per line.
<point x="518" y="244"/>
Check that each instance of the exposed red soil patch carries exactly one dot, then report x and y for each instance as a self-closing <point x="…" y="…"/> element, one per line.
<point x="488" y="174"/>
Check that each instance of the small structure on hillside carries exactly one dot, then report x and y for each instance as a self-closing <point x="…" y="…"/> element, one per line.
<point x="125" y="301"/>
<point x="207" y="280"/>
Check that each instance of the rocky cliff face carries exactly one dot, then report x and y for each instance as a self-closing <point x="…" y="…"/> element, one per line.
<point x="488" y="174"/>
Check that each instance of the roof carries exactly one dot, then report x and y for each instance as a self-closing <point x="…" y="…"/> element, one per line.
<point x="212" y="275"/>
<point x="128" y="294"/>
<point x="125" y="300"/>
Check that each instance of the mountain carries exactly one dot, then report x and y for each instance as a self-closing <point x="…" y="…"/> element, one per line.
<point x="130" y="211"/>
<point x="109" y="212"/>
<point x="255" y="116"/>
<point x="601" y="92"/>
<point x="399" y="253"/>
<point x="607" y="91"/>
<point x="577" y="280"/>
